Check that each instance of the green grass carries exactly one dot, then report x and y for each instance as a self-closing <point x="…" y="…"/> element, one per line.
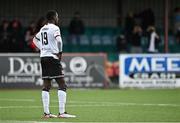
<point x="95" y="105"/>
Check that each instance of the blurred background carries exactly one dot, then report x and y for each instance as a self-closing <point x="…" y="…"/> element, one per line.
<point x="108" y="45"/>
<point x="94" y="26"/>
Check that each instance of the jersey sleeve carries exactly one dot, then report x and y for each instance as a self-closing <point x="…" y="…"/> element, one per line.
<point x="57" y="33"/>
<point x="57" y="36"/>
<point x="36" y="40"/>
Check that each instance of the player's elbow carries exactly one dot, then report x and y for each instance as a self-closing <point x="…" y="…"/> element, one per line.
<point x="36" y="43"/>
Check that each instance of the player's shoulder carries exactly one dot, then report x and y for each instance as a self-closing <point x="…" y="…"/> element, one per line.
<point x="43" y="28"/>
<point x="54" y="27"/>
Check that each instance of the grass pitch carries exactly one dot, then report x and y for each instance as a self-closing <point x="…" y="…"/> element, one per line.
<point x="94" y="105"/>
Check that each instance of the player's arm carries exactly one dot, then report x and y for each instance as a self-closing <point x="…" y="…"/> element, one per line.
<point x="58" y="38"/>
<point x="36" y="40"/>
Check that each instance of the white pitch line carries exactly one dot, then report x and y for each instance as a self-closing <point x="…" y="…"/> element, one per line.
<point x="122" y="103"/>
<point x="17" y="100"/>
<point x="15" y="121"/>
<point x="94" y="105"/>
<point x="86" y="104"/>
<point x="12" y="107"/>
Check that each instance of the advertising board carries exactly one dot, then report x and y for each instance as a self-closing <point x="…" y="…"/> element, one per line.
<point x="24" y="70"/>
<point x="149" y="70"/>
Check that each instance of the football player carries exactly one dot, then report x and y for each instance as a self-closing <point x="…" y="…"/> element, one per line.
<point x="49" y="41"/>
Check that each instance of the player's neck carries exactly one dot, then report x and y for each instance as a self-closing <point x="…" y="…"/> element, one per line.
<point x="51" y="21"/>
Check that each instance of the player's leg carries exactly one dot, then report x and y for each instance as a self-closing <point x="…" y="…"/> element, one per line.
<point x="61" y="94"/>
<point x="62" y="98"/>
<point x="46" y="98"/>
<point x="46" y="64"/>
<point x="45" y="95"/>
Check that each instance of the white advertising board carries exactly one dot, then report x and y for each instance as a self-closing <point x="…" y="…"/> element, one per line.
<point x="149" y="70"/>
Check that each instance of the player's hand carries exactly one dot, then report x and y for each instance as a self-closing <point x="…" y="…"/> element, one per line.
<point x="59" y="55"/>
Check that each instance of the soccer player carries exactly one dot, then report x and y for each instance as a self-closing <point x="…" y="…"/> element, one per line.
<point x="49" y="41"/>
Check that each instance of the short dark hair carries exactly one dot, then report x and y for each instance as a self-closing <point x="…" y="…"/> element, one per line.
<point x="51" y="14"/>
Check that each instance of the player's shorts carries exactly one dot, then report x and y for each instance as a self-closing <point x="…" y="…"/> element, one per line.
<point x="51" y="68"/>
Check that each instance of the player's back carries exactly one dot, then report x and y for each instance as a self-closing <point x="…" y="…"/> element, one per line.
<point x="48" y="41"/>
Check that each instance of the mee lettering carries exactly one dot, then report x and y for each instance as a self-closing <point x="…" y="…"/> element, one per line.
<point x="157" y="64"/>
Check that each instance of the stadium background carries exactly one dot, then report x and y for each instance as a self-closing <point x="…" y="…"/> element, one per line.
<point x="105" y="30"/>
<point x="103" y="24"/>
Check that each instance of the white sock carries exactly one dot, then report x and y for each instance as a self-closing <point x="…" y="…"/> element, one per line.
<point x="62" y="101"/>
<point x="45" y="101"/>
